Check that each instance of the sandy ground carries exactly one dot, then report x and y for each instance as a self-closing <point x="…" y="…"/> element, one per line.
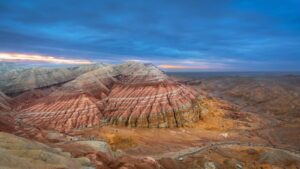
<point x="216" y="126"/>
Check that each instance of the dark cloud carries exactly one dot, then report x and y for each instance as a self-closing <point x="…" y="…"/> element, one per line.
<point x="243" y="35"/>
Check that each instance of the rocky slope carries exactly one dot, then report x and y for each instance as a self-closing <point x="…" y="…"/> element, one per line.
<point x="6" y="118"/>
<point x="62" y="112"/>
<point x="20" y="153"/>
<point x="72" y="105"/>
<point x="96" y="83"/>
<point x="139" y="73"/>
<point x="164" y="104"/>
<point x="4" y="102"/>
<point x="131" y="94"/>
<point x="145" y="97"/>
<point x="18" y="81"/>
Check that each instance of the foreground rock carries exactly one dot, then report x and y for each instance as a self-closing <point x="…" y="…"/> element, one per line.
<point x="96" y="145"/>
<point x="20" y="153"/>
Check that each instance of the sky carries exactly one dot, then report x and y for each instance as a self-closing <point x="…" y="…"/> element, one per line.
<point x="186" y="35"/>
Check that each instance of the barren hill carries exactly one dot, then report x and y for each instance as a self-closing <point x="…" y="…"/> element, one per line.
<point x="21" y="80"/>
<point x="131" y="94"/>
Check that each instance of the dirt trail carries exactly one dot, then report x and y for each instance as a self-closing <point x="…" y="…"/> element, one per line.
<point x="194" y="150"/>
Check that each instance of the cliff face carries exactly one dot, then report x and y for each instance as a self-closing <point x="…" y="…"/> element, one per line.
<point x="132" y="94"/>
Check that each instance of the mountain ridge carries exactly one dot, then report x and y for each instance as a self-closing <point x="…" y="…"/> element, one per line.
<point x="109" y="94"/>
<point x="17" y="81"/>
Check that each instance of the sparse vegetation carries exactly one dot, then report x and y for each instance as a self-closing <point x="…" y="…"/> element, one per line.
<point x="119" y="142"/>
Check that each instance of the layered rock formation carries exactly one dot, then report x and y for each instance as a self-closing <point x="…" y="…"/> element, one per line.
<point x="131" y="94"/>
<point x="72" y="105"/>
<point x="30" y="98"/>
<point x="163" y="104"/>
<point x="62" y="112"/>
<point x="18" y="81"/>
<point x="146" y="97"/>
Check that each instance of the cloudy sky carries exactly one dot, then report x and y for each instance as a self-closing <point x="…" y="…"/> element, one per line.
<point x="198" y="35"/>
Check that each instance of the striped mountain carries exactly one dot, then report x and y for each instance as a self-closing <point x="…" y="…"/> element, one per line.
<point x="131" y="94"/>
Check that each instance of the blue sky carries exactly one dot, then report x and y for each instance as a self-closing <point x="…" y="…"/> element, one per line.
<point x="211" y="35"/>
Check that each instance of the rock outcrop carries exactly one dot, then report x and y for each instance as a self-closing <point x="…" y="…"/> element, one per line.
<point x="20" y="153"/>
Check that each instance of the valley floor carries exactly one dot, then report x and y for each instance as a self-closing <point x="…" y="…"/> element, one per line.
<point x="246" y="123"/>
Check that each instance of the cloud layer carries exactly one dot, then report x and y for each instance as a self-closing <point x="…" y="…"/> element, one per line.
<point x="222" y="34"/>
<point x="17" y="57"/>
